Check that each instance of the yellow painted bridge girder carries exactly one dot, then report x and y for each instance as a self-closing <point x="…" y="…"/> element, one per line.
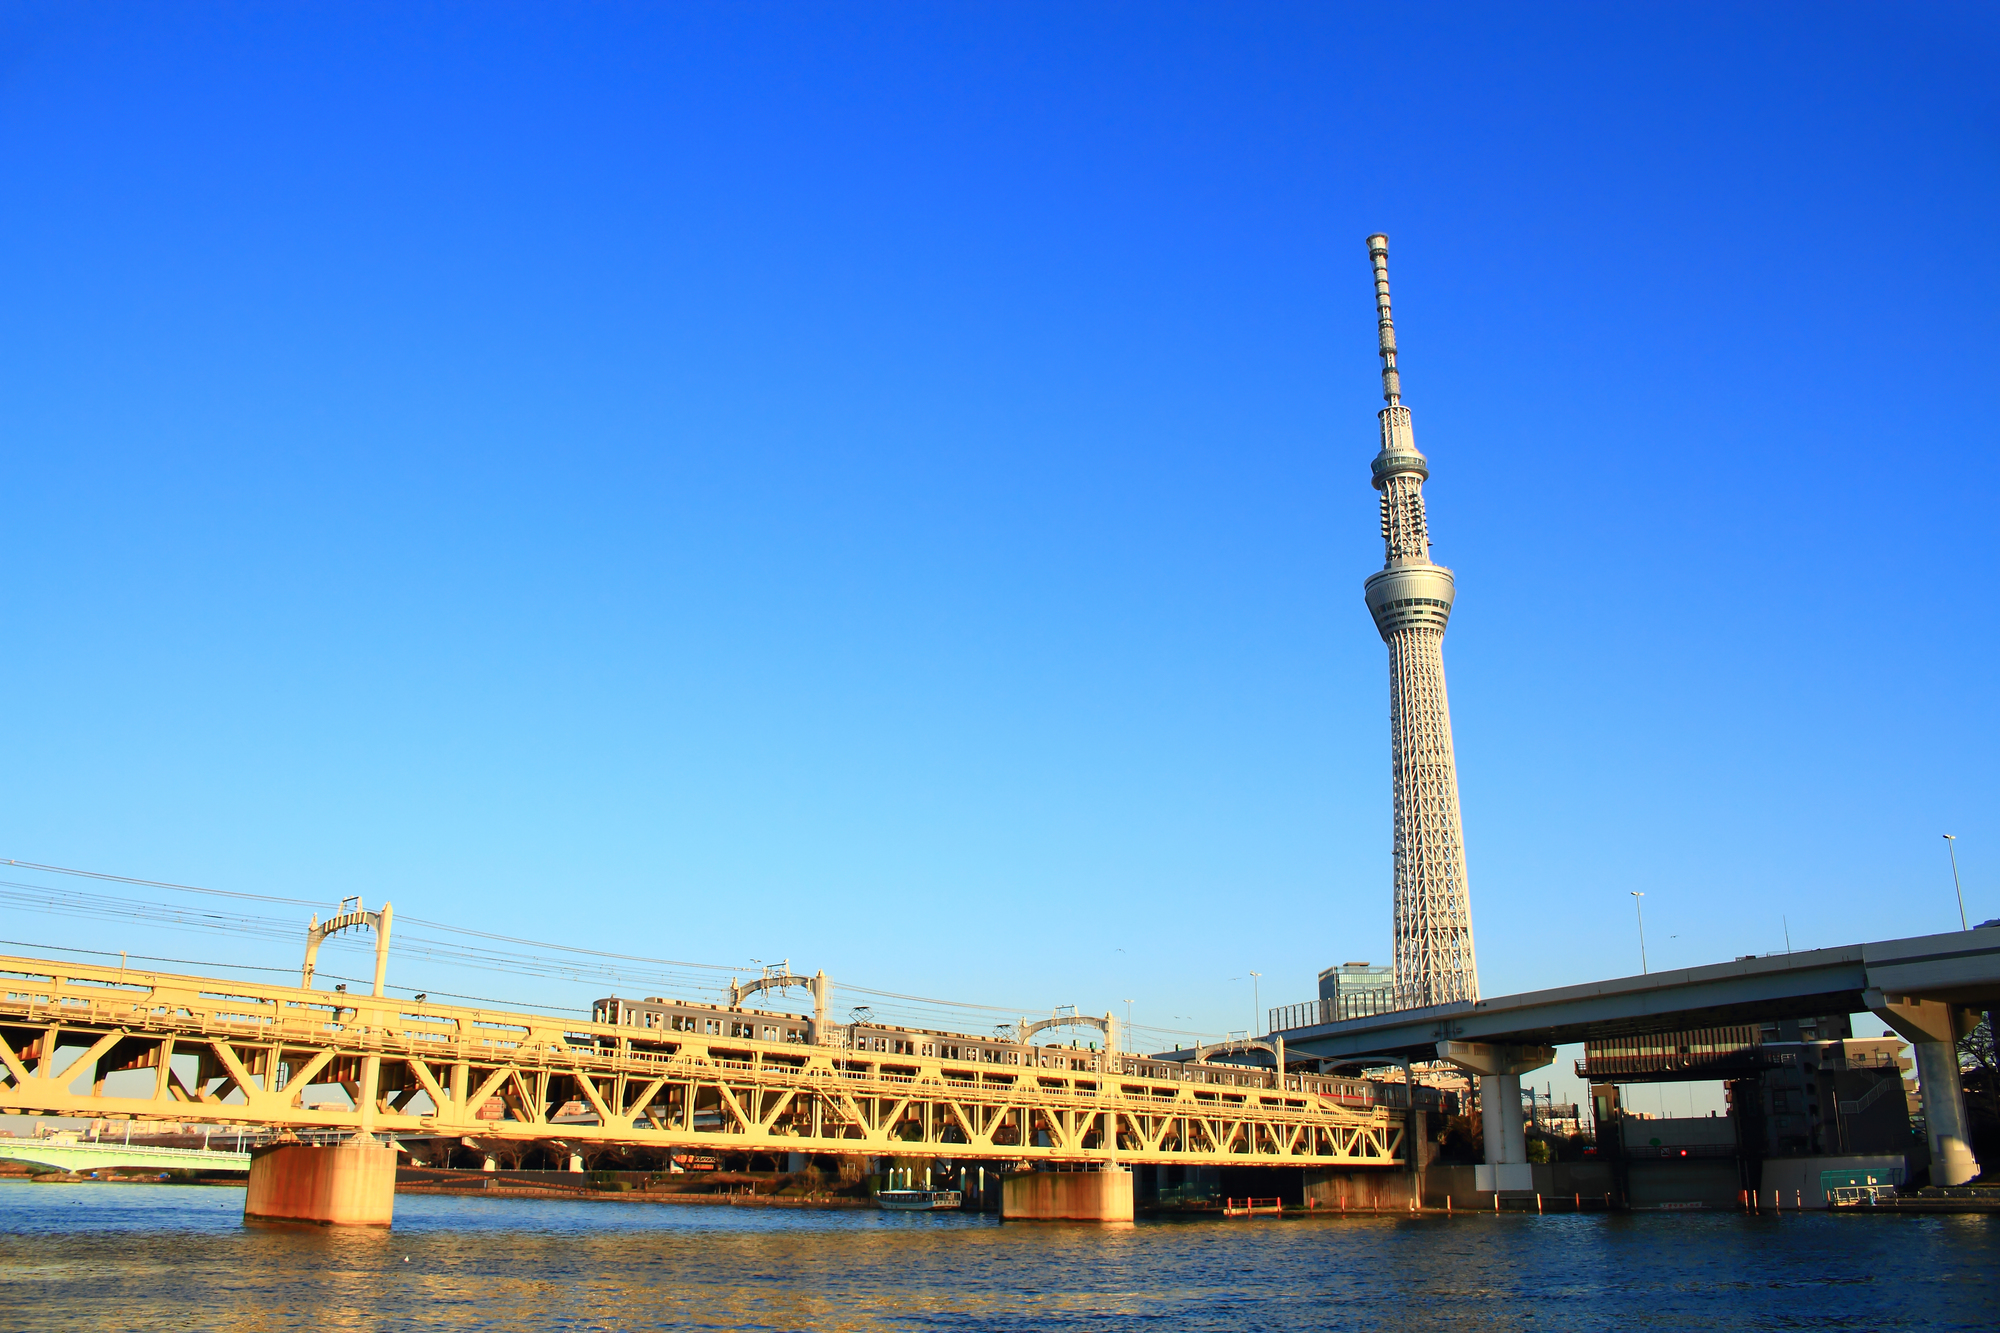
<point x="257" y="1049"/>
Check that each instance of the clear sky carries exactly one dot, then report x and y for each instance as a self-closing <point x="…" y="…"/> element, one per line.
<point x="887" y="486"/>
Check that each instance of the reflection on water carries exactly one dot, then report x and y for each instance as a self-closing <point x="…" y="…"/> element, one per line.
<point x="148" y="1257"/>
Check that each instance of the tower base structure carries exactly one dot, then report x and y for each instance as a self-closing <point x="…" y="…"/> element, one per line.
<point x="353" y="1184"/>
<point x="1067" y="1196"/>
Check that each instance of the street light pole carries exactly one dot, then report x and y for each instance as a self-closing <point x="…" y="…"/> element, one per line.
<point x="1640" y="908"/>
<point x="1128" y="1025"/>
<point x="1951" y="845"/>
<point x="1256" y="1003"/>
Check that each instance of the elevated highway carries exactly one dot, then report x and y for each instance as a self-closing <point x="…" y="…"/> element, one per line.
<point x="1926" y="988"/>
<point x="1962" y="968"/>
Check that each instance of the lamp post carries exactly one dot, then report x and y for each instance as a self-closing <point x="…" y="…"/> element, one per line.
<point x="1951" y="845"/>
<point x="1256" y="1003"/>
<point x="1128" y="1025"/>
<point x="1640" y="908"/>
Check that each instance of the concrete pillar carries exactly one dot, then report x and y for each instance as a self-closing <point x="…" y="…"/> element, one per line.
<point x="1952" y="1162"/>
<point x="1933" y="1028"/>
<point x="1500" y="1069"/>
<point x="1500" y="1114"/>
<point x="350" y="1185"/>
<point x="1072" y="1196"/>
<point x="576" y="1161"/>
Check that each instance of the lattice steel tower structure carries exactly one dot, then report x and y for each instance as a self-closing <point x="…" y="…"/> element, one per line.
<point x="1411" y="598"/>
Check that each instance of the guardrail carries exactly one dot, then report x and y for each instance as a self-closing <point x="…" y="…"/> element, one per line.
<point x="1334" y="1009"/>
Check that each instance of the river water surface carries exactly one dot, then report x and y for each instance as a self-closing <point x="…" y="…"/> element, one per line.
<point x="146" y="1257"/>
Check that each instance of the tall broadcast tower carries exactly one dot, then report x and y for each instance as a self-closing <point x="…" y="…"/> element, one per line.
<point x="1410" y="599"/>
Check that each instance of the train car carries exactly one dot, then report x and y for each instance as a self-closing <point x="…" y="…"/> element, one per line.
<point x="880" y="1047"/>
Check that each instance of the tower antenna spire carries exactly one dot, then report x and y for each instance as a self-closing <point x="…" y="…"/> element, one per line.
<point x="1385" y="324"/>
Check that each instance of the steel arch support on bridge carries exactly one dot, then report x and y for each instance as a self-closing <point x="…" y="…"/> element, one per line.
<point x="817" y="985"/>
<point x="1275" y="1047"/>
<point x="1108" y="1025"/>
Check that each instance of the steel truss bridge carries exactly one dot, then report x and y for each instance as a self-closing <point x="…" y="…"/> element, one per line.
<point x="242" y="1053"/>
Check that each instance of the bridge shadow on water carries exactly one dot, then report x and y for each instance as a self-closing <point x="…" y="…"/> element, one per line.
<point x="146" y="1257"/>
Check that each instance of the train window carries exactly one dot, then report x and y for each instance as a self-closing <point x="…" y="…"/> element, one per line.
<point x="1013" y="1057"/>
<point x="712" y="1026"/>
<point x="930" y="1048"/>
<point x="770" y="1032"/>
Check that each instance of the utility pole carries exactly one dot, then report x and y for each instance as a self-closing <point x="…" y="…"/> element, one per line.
<point x="1256" y="1003"/>
<point x="1640" y="908"/>
<point x="1951" y="845"/>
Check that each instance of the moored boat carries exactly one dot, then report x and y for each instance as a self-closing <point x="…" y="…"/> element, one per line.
<point x="918" y="1200"/>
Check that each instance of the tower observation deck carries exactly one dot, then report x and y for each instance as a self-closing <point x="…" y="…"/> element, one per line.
<point x="1411" y="598"/>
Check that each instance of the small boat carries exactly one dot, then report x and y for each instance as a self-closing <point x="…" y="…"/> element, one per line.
<point x="904" y="1201"/>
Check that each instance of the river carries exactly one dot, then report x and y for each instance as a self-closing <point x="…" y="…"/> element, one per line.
<point x="158" y="1257"/>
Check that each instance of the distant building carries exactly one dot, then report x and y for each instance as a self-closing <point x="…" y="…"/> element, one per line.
<point x="1797" y="1087"/>
<point x="1355" y="978"/>
<point x="1351" y="990"/>
<point x="1827" y="1091"/>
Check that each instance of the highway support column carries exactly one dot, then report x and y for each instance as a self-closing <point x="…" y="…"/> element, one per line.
<point x="1932" y="1028"/>
<point x="1500" y="1069"/>
<point x="353" y="1184"/>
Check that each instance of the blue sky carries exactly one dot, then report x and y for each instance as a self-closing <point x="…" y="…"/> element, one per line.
<point x="886" y="486"/>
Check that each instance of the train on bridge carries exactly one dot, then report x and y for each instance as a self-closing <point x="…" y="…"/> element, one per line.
<point x="866" y="1046"/>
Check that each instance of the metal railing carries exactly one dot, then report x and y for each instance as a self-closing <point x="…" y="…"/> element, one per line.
<point x="1335" y="1009"/>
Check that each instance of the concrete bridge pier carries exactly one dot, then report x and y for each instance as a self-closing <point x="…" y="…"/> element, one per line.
<point x="353" y="1184"/>
<point x="1933" y="1028"/>
<point x="1500" y="1069"/>
<point x="1067" y="1196"/>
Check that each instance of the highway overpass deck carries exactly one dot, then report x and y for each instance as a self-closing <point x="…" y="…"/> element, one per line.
<point x="1961" y="968"/>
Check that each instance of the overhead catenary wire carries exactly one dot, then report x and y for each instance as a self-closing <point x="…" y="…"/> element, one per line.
<point x="411" y="920"/>
<point x="249" y="967"/>
<point x="81" y="905"/>
<point x="546" y="960"/>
